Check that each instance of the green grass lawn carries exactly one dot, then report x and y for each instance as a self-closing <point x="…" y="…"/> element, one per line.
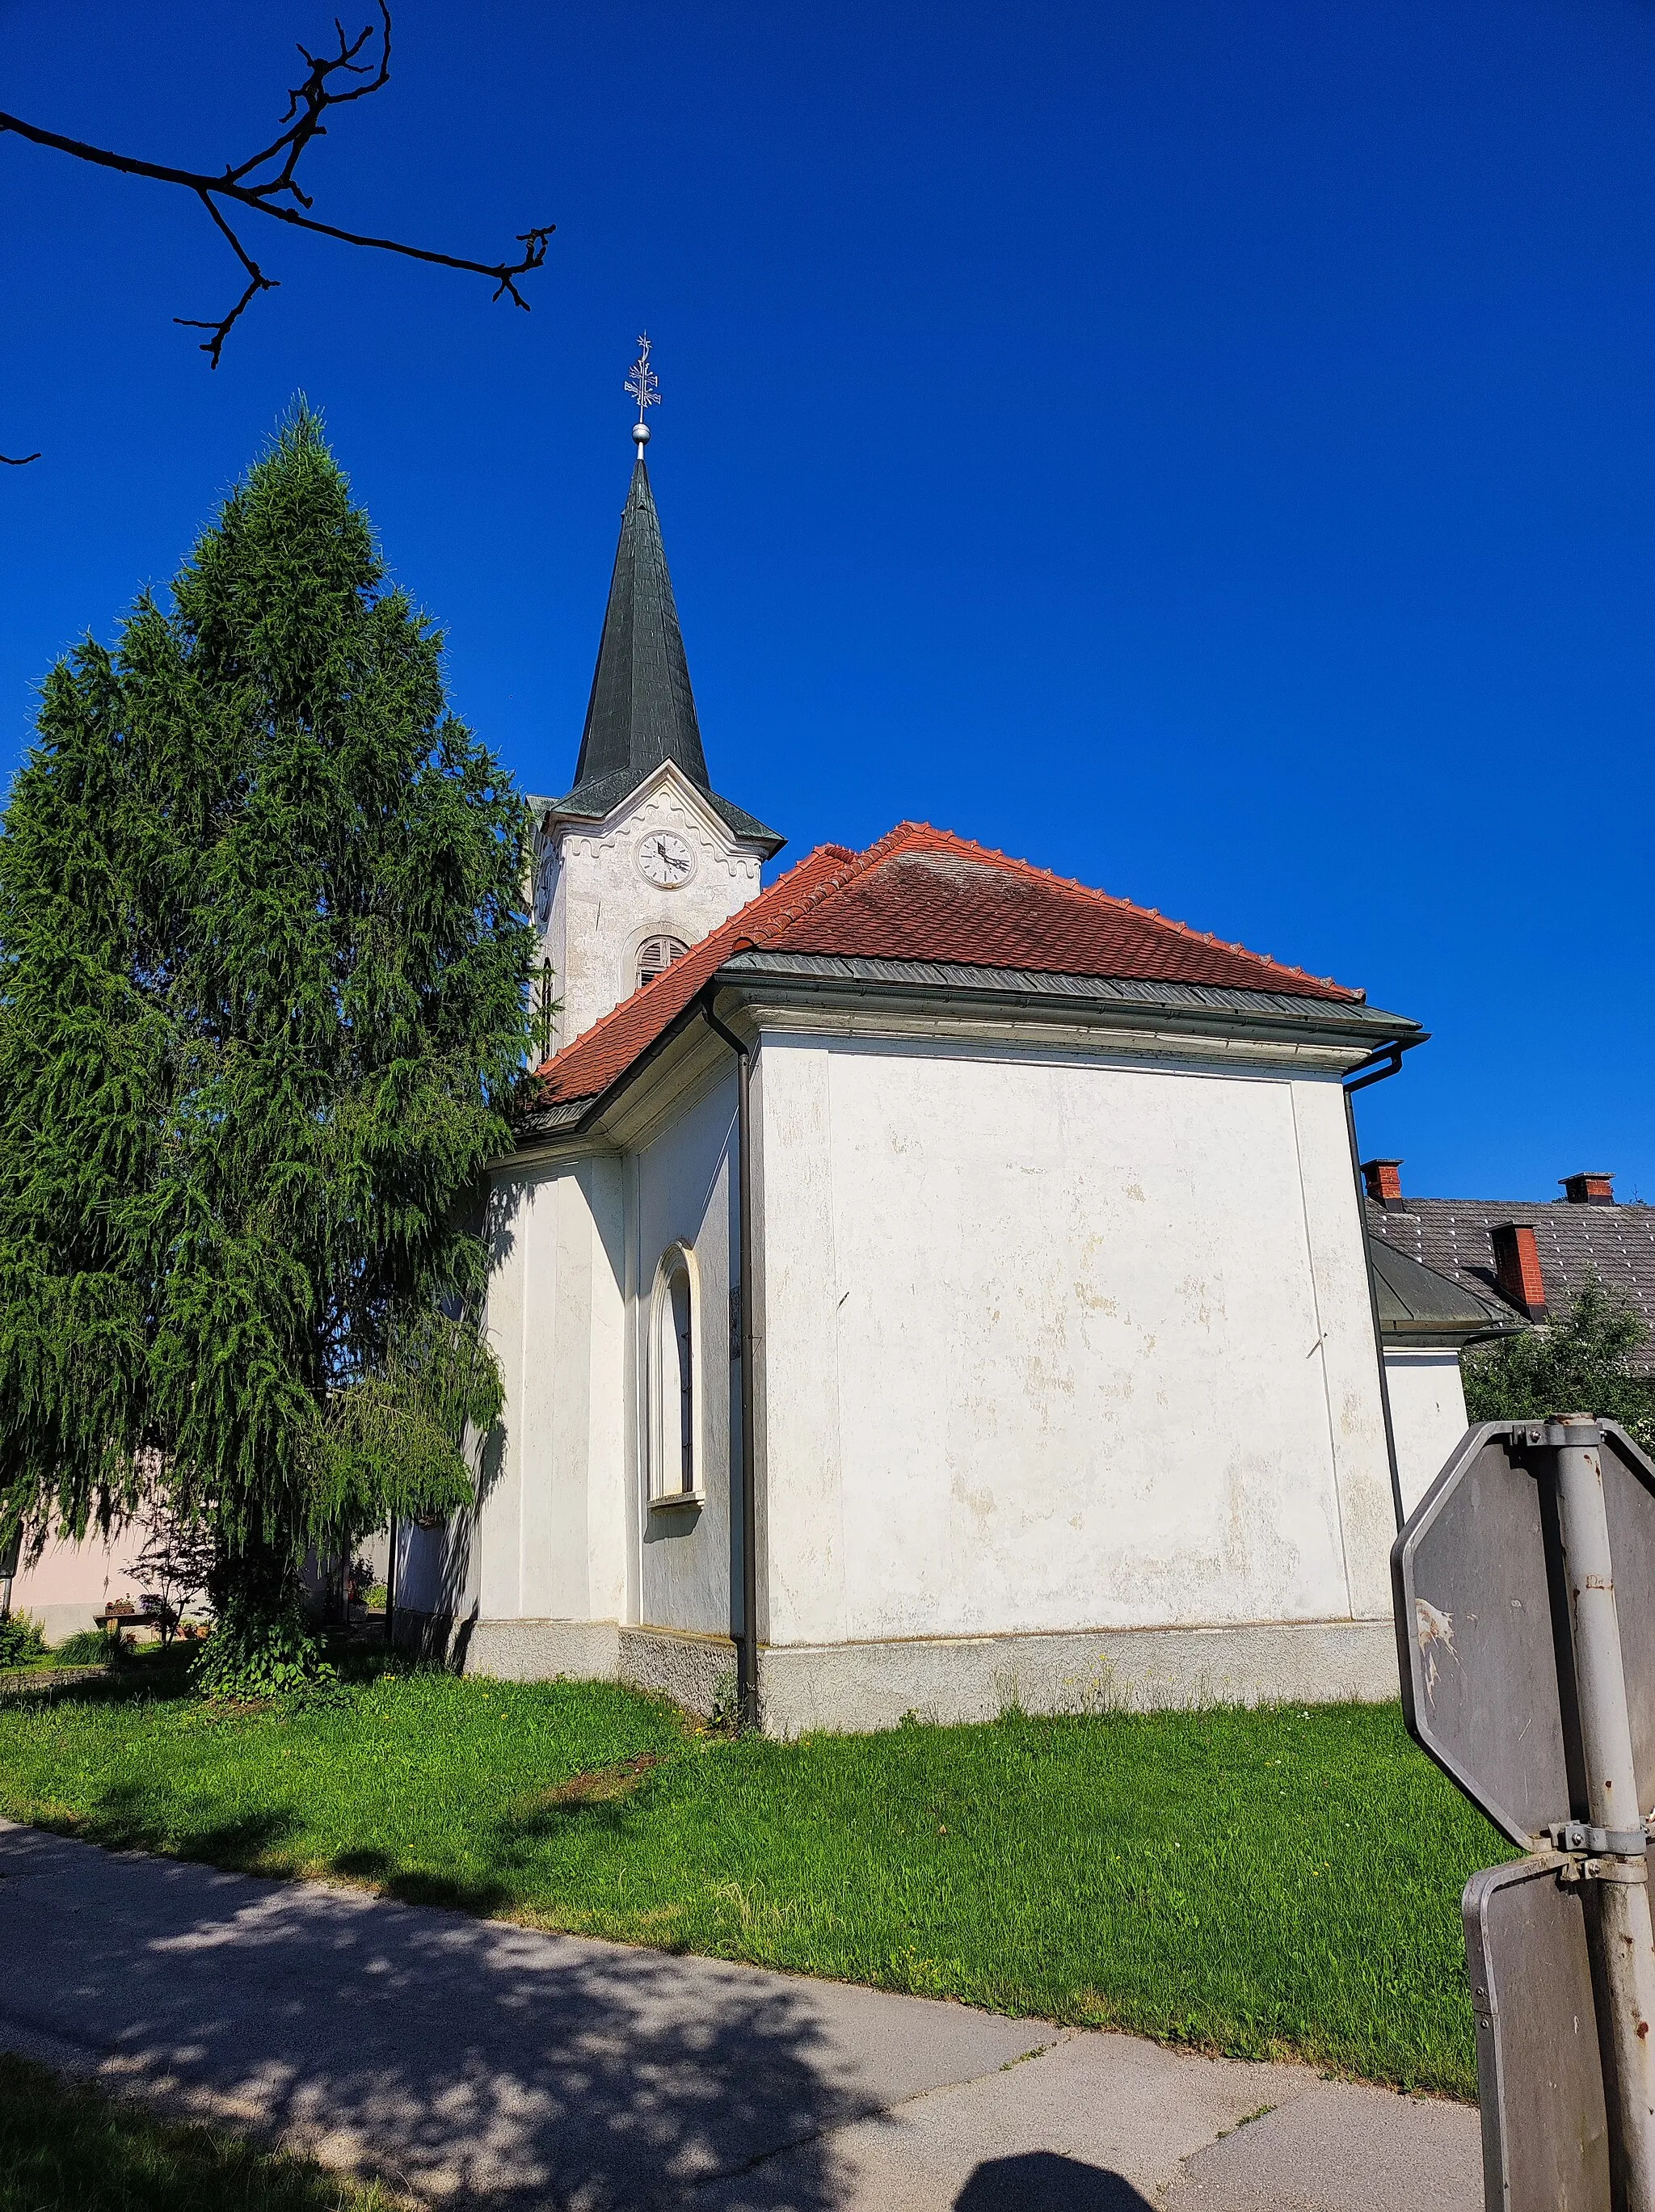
<point x="1261" y="1883"/>
<point x="67" y="2147"/>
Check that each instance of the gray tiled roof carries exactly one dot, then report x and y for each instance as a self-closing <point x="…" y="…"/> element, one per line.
<point x="1617" y="1243"/>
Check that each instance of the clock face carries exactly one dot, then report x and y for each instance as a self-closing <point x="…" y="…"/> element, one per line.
<point x="665" y="859"/>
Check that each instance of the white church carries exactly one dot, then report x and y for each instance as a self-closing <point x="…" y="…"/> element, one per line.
<point x="921" y="1284"/>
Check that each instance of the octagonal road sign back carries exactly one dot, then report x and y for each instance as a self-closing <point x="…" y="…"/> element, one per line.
<point x="1483" y="1625"/>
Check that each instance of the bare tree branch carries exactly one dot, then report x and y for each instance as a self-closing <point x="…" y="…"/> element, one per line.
<point x="277" y="192"/>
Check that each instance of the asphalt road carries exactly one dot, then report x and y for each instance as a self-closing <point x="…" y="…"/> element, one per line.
<point x="474" y="2063"/>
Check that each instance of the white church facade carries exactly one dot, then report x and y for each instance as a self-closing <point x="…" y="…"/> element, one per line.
<point x="920" y="1284"/>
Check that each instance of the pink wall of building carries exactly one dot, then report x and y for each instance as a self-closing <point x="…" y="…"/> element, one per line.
<point x="71" y="1582"/>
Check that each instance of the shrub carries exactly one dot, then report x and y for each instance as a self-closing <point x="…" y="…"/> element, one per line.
<point x="20" y="1640"/>
<point x="277" y="1657"/>
<point x="1583" y="1361"/>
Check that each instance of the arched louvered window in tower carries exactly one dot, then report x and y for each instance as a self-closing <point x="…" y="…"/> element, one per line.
<point x="655" y="955"/>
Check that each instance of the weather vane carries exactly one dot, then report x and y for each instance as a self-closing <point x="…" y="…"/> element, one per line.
<point x="645" y="387"/>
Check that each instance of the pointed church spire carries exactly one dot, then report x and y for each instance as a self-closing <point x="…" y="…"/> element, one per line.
<point x="642" y="710"/>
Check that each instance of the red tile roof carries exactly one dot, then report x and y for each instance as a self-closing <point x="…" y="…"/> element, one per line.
<point x="922" y="893"/>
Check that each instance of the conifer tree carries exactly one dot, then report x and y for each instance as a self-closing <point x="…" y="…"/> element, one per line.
<point x="263" y="976"/>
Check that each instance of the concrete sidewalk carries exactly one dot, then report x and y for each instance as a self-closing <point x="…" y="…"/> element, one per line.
<point x="474" y="2063"/>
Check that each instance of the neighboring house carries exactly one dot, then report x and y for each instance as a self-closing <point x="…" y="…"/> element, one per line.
<point x="1526" y="1260"/>
<point x="1047" y="1295"/>
<point x="69" y="1585"/>
<point x="1426" y="1320"/>
<point x="1515" y="1265"/>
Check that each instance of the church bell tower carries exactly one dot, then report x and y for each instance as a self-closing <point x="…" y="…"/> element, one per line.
<point x="641" y="858"/>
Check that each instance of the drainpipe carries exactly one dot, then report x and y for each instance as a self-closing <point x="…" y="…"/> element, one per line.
<point x="1365" y="1073"/>
<point x="746" y="1641"/>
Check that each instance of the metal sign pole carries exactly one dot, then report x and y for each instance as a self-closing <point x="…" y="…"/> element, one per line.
<point x="1619" y="1861"/>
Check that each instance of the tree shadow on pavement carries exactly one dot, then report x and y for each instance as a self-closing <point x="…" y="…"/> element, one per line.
<point x="462" y="2060"/>
<point x="1045" y="2181"/>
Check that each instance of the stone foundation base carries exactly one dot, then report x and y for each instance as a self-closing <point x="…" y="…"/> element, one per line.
<point x="539" y="1651"/>
<point x="852" y="1687"/>
<point x="849" y="1687"/>
<point x="696" y="1671"/>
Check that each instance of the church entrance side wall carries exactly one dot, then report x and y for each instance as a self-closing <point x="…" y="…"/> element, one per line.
<point x="570" y="1564"/>
<point x="683" y="1200"/>
<point x="1061" y="1352"/>
<point x="535" y="1581"/>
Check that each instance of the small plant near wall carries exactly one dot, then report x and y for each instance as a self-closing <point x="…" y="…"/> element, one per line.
<point x="175" y="1566"/>
<point x="20" y="1640"/>
<point x="88" y="1647"/>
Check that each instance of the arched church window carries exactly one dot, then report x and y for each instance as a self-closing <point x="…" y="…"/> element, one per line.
<point x="655" y="955"/>
<point x="675" y="1363"/>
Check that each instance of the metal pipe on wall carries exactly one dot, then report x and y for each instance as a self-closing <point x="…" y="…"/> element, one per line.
<point x="1366" y="1074"/>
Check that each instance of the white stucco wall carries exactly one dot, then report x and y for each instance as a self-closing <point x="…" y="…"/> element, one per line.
<point x="564" y="1530"/>
<point x="1427" y="1414"/>
<point x="596" y="908"/>
<point x="1053" y="1343"/>
<point x="550" y="1540"/>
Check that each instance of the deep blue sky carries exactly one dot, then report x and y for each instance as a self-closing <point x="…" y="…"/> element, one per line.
<point x="1207" y="449"/>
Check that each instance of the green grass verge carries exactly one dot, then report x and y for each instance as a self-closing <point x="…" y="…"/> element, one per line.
<point x="69" y="2147"/>
<point x="1261" y="1883"/>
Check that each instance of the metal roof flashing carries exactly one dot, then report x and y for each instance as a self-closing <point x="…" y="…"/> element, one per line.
<point x="1419" y="1307"/>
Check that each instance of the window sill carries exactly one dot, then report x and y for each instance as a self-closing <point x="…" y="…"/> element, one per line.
<point x="676" y="1498"/>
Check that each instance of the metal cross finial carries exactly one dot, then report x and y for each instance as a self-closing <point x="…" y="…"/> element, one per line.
<point x="642" y="382"/>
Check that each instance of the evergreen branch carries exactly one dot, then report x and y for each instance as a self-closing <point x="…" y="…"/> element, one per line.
<point x="278" y="194"/>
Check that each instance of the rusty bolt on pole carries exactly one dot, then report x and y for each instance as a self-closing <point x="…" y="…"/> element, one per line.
<point x="1628" y="1941"/>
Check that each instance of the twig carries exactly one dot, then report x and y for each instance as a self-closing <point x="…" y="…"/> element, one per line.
<point x="279" y="194"/>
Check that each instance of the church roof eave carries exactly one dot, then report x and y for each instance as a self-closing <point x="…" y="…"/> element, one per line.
<point x="926" y="913"/>
<point x="1269" y="1020"/>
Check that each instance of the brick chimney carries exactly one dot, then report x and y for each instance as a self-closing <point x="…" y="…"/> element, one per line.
<point x="1589" y="1189"/>
<point x="1382" y="1181"/>
<point x="1516" y="1268"/>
